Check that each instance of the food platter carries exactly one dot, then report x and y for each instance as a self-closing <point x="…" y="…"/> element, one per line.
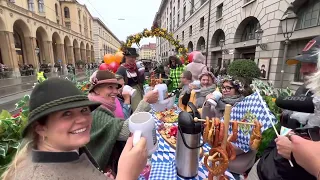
<point x="169" y="131"/>
<point x="169" y="116"/>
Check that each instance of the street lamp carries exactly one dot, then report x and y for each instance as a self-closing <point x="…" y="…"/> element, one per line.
<point x="259" y="33"/>
<point x="288" y="25"/>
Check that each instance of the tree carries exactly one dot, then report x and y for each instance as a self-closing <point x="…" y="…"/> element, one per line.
<point x="244" y="68"/>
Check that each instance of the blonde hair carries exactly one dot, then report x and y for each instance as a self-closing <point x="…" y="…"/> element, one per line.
<point x="23" y="151"/>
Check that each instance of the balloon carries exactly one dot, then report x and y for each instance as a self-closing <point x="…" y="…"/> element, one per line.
<point x="114" y="67"/>
<point x="108" y="58"/>
<point x="104" y="66"/>
<point x="181" y="58"/>
<point x="190" y="56"/>
<point x="118" y="57"/>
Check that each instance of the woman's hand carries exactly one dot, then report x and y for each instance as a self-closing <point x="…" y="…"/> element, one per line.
<point x="284" y="146"/>
<point x="191" y="86"/>
<point x="151" y="97"/>
<point x="132" y="160"/>
<point x="307" y="154"/>
<point x="127" y="97"/>
<point x="209" y="96"/>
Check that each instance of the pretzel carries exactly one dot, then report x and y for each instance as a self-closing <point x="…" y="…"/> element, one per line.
<point x="211" y="133"/>
<point x="221" y="133"/>
<point x="206" y="130"/>
<point x="255" y="138"/>
<point x="216" y="136"/>
<point x="219" y="163"/>
<point x="234" y="136"/>
<point x="231" y="151"/>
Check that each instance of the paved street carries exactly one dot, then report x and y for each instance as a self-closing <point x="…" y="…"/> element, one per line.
<point x="12" y="90"/>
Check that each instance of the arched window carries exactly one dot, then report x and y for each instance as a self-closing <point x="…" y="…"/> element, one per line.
<point x="308" y="15"/>
<point x="56" y="9"/>
<point x="41" y="6"/>
<point x="249" y="33"/>
<point x="66" y="12"/>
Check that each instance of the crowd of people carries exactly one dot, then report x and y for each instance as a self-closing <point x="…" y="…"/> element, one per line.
<point x="73" y="136"/>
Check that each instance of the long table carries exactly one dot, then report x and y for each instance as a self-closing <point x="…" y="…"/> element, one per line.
<point x="163" y="161"/>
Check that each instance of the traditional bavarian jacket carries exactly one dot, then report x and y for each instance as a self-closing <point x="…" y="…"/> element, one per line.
<point x="41" y="165"/>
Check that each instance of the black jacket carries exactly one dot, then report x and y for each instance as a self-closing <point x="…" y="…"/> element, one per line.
<point x="272" y="166"/>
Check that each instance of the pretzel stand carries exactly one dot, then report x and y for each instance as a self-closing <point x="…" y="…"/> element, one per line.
<point x="222" y="151"/>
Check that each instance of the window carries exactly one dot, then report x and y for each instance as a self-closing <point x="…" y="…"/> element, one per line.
<point x="170" y="4"/>
<point x="177" y="37"/>
<point x="174" y="11"/>
<point x="79" y="15"/>
<point x="201" y="23"/>
<point x="178" y="4"/>
<point x="192" y="7"/>
<point x="30" y="5"/>
<point x="174" y="23"/>
<point x="66" y="12"/>
<point x="219" y="11"/>
<point x="80" y="28"/>
<point x="298" y="76"/>
<point x="68" y="25"/>
<point x="56" y="9"/>
<point x="182" y="35"/>
<point x="249" y="33"/>
<point x="41" y="6"/>
<point x="184" y="13"/>
<point x="202" y="2"/>
<point x="99" y="31"/>
<point x="190" y="30"/>
<point x="308" y="16"/>
<point x="178" y="20"/>
<point x="58" y="21"/>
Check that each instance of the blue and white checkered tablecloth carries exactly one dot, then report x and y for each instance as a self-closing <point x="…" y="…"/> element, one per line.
<point x="163" y="161"/>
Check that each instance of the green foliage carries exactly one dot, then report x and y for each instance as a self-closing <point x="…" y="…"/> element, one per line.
<point x="245" y="68"/>
<point x="11" y="127"/>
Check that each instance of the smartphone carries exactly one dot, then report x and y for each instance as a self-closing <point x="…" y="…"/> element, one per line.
<point x="312" y="134"/>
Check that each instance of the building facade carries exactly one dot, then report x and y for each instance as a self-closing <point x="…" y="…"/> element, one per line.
<point x="232" y="32"/>
<point x="105" y="42"/>
<point x="148" y="51"/>
<point x="41" y="32"/>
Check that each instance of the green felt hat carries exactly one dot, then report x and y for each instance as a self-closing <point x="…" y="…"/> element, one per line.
<point x="52" y="95"/>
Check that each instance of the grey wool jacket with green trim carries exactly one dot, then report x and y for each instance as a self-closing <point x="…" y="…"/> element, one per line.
<point x="106" y="129"/>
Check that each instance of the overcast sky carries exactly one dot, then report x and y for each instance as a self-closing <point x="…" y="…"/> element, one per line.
<point x="138" y="14"/>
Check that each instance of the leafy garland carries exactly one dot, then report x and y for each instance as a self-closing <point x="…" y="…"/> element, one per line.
<point x="158" y="32"/>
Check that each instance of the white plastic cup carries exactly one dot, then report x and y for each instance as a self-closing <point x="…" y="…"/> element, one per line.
<point x="142" y="124"/>
<point x="162" y="90"/>
<point x="129" y="89"/>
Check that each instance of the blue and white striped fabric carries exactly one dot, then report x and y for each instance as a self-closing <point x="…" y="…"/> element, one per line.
<point x="253" y="105"/>
<point x="163" y="162"/>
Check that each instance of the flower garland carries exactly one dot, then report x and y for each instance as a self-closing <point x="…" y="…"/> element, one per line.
<point x="158" y="32"/>
<point x="235" y="82"/>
